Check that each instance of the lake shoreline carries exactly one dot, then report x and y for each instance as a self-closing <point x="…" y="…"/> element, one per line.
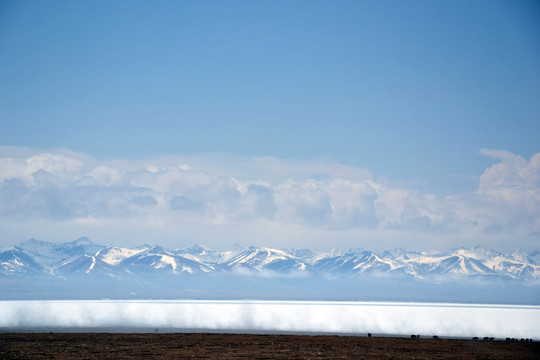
<point x="161" y="330"/>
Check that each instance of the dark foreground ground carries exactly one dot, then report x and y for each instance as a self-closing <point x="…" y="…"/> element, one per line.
<point x="243" y="346"/>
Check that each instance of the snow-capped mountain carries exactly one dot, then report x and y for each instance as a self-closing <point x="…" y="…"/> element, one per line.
<point x="203" y="254"/>
<point x="50" y="255"/>
<point x="260" y="259"/>
<point x="158" y="259"/>
<point x="354" y="261"/>
<point x="82" y="257"/>
<point x="300" y="253"/>
<point x="14" y="261"/>
<point x="115" y="255"/>
<point x="85" y="264"/>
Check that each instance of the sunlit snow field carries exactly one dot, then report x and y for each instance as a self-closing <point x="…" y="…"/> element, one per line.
<point x="453" y="320"/>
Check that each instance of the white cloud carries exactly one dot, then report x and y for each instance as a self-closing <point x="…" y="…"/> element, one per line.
<point x="305" y="202"/>
<point x="239" y="199"/>
<point x="510" y="193"/>
<point x="107" y="176"/>
<point x="59" y="166"/>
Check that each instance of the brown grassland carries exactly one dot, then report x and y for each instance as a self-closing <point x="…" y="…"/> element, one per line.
<point x="246" y="346"/>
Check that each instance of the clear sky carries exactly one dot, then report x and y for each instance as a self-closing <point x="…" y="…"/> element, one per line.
<point x="394" y="120"/>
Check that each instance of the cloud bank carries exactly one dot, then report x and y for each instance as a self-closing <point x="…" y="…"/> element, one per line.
<point x="336" y="317"/>
<point x="257" y="199"/>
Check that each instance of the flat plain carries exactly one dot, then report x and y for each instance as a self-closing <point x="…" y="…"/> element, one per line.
<point x="248" y="346"/>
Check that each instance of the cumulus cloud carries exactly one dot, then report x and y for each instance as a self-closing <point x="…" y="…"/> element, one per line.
<point x="247" y="195"/>
<point x="510" y="192"/>
<point x="58" y="166"/>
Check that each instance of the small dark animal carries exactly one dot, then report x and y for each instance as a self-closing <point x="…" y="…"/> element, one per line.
<point x="413" y="336"/>
<point x="435" y="337"/>
<point x="368" y="334"/>
<point x="475" y="338"/>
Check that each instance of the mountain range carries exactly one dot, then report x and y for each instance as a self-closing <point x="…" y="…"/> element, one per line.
<point x="84" y="258"/>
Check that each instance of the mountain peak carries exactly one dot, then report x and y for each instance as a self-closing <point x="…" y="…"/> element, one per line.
<point x="300" y="253"/>
<point x="195" y="249"/>
<point x="34" y="242"/>
<point x="82" y="241"/>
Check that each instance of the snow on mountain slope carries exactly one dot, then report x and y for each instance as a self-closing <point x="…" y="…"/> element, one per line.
<point x="467" y="262"/>
<point x="326" y="255"/>
<point x="162" y="260"/>
<point x="79" y="247"/>
<point x="17" y="261"/>
<point x="300" y="253"/>
<point x="339" y="263"/>
<point x="42" y="252"/>
<point x="260" y="259"/>
<point x="516" y="265"/>
<point x="356" y="261"/>
<point x="50" y="255"/>
<point x="372" y="263"/>
<point x="114" y="255"/>
<point x="203" y="254"/>
<point x="461" y="265"/>
<point x="84" y="257"/>
<point x="395" y="254"/>
<point x="457" y="262"/>
<point x="85" y="264"/>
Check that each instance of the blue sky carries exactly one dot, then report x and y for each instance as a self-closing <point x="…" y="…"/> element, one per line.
<point x="403" y="94"/>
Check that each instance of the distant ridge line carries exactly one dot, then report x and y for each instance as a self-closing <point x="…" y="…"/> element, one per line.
<point x="83" y="257"/>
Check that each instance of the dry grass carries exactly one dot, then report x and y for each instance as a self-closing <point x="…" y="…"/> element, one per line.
<point x="243" y="346"/>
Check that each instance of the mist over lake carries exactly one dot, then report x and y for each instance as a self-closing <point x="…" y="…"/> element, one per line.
<point x="455" y="320"/>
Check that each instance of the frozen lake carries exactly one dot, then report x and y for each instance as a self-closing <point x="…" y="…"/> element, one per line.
<point x="453" y="320"/>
